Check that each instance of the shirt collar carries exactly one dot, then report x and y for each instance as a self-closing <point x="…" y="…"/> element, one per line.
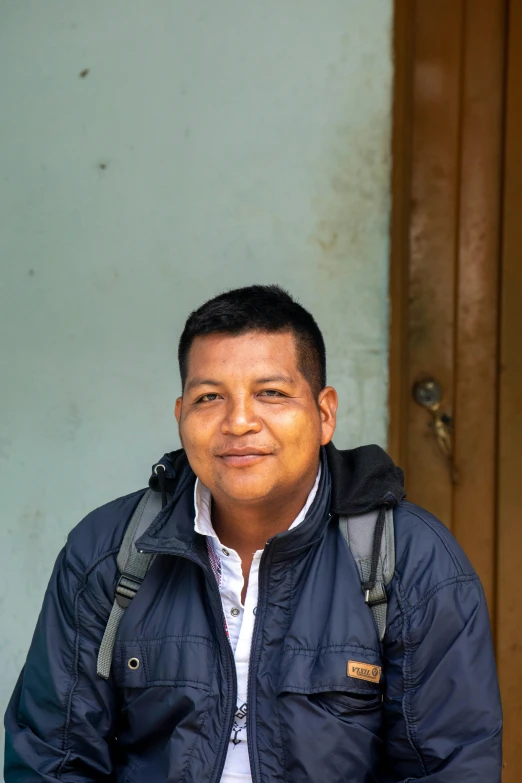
<point x="203" y="505"/>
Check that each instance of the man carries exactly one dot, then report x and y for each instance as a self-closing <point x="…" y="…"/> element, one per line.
<point x="249" y="652"/>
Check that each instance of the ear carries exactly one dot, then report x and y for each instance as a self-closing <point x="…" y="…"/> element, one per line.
<point x="327" y="402"/>
<point x="177" y="414"/>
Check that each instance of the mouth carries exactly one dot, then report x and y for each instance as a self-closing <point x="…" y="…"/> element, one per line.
<point x="243" y="457"/>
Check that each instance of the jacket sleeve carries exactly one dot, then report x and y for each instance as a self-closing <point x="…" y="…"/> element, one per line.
<point x="60" y="719"/>
<point x="442" y="706"/>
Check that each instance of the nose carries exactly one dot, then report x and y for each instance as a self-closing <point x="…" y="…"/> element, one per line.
<point x="240" y="416"/>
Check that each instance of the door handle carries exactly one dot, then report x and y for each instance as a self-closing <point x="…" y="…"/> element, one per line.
<point x="428" y="394"/>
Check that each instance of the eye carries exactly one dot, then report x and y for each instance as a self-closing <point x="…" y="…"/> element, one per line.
<point x="271" y="393"/>
<point x="210" y="397"/>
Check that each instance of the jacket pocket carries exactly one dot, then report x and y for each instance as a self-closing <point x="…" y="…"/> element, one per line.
<point x="341" y="703"/>
<point x="165" y="692"/>
<point x="319" y="682"/>
<point x="168" y="661"/>
<point x="330" y="671"/>
<point x="324" y="709"/>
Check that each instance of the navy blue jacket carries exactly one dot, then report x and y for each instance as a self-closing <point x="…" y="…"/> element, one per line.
<point x="434" y="716"/>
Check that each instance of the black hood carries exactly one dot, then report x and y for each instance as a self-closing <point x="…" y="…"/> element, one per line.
<point x="362" y="479"/>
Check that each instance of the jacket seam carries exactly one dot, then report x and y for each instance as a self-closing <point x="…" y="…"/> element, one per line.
<point x="292" y="588"/>
<point x="407" y="678"/>
<point x="197" y="739"/>
<point x="203" y="686"/>
<point x="284" y="755"/>
<point x="204" y="717"/>
<point x="312" y="652"/>
<point x="254" y="659"/>
<point x="289" y="612"/>
<point x="336" y="688"/>
<point x="426" y="521"/>
<point x="82" y="584"/>
<point x="85" y="572"/>
<point x="122" y="643"/>
<point x="455" y="580"/>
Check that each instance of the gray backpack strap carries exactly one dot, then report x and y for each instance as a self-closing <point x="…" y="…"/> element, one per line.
<point x="358" y="532"/>
<point x="133" y="567"/>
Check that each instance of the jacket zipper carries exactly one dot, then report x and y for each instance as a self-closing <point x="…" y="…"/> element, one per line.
<point x="229" y="658"/>
<point x="253" y="663"/>
<point x="231" y="682"/>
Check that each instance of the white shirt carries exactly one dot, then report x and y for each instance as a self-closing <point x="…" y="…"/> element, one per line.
<point x="240" y="619"/>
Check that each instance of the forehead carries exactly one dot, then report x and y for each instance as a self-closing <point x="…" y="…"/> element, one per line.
<point x="243" y="353"/>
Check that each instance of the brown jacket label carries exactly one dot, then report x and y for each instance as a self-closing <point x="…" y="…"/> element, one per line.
<point x="363" y="671"/>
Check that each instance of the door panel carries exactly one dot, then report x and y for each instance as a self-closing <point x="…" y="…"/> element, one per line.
<point x="449" y="98"/>
<point x="433" y="223"/>
<point x="477" y="272"/>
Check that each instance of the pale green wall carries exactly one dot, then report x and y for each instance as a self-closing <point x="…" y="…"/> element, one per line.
<point x="241" y="142"/>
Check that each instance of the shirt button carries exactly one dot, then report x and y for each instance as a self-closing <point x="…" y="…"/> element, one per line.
<point x="225" y="551"/>
<point x="234" y="612"/>
<point x="255" y="609"/>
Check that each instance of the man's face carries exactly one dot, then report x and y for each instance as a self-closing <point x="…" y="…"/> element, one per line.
<point x="248" y="420"/>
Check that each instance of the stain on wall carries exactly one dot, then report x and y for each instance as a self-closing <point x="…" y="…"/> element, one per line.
<point x="153" y="155"/>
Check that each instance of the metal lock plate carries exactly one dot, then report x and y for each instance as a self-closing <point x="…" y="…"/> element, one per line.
<point x="428" y="393"/>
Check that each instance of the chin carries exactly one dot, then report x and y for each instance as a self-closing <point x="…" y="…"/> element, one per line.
<point x="246" y="490"/>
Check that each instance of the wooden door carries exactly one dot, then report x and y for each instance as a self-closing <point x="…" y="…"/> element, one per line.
<point x="509" y="547"/>
<point x="456" y="294"/>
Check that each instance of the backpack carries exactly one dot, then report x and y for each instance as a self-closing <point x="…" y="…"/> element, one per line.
<point x="369" y="536"/>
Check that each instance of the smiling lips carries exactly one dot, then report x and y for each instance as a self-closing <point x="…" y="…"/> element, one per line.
<point x="244" y="456"/>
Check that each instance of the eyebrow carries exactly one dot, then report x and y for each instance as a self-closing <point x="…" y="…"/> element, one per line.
<point x="275" y="379"/>
<point x="201" y="382"/>
<point x="258" y="381"/>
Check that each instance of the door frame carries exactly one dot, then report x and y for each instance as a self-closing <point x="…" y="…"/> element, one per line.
<point x="499" y="118"/>
<point x="404" y="21"/>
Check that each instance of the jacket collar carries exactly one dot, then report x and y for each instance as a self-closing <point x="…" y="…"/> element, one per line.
<point x="352" y="482"/>
<point x="172" y="532"/>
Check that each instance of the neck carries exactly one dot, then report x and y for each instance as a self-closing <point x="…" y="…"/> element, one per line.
<point x="247" y="528"/>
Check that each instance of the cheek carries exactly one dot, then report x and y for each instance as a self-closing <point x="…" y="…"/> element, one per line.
<point x="195" y="441"/>
<point x="299" y="432"/>
<point x="195" y="435"/>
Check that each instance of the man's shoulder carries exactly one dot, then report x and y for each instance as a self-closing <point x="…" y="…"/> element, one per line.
<point x="427" y="555"/>
<point x="100" y="534"/>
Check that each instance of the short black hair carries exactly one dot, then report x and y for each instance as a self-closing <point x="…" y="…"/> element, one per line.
<point x="265" y="308"/>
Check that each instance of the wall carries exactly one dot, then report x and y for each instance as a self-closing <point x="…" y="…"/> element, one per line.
<point x="206" y="145"/>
